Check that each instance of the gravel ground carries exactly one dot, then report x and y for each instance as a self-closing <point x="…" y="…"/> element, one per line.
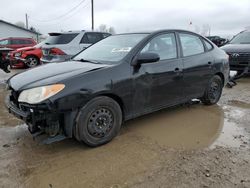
<point x="185" y="146"/>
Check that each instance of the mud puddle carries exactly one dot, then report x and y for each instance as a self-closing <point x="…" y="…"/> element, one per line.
<point x="193" y="127"/>
<point x="25" y="163"/>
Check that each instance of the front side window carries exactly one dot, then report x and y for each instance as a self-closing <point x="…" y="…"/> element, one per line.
<point x="16" y="41"/>
<point x="191" y="44"/>
<point x="4" y="42"/>
<point x="164" y="45"/>
<point x="111" y="49"/>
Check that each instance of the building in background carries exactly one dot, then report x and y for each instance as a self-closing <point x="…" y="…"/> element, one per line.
<point x="11" y="30"/>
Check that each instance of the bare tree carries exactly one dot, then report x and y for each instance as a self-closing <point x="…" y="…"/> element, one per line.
<point x="111" y="30"/>
<point x="206" y="30"/>
<point x="248" y="27"/>
<point x="105" y="28"/>
<point x="197" y="29"/>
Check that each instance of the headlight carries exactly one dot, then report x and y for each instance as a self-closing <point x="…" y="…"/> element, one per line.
<point x="39" y="94"/>
<point x="18" y="54"/>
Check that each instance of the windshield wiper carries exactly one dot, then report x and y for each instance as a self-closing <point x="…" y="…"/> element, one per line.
<point x="89" y="61"/>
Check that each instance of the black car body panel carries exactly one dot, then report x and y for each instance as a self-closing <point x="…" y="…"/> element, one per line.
<point x="137" y="89"/>
<point x="239" y="53"/>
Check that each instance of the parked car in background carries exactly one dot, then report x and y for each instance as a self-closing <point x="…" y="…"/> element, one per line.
<point x="218" y="40"/>
<point x="26" y="57"/>
<point x="4" y="60"/>
<point x="118" y="78"/>
<point x="62" y="46"/>
<point x="17" y="42"/>
<point x="238" y="50"/>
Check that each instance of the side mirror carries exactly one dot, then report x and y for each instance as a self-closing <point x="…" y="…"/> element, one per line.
<point x="146" y="58"/>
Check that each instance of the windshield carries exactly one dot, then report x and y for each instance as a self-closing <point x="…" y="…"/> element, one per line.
<point x="241" y="38"/>
<point x="111" y="49"/>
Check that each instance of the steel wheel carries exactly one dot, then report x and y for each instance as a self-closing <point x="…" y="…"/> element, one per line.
<point x="213" y="92"/>
<point x="100" y="122"/>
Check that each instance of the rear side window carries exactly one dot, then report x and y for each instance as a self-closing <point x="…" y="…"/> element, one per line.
<point x="91" y="38"/>
<point x="164" y="45"/>
<point x="59" y="38"/>
<point x="191" y="44"/>
<point x="208" y="45"/>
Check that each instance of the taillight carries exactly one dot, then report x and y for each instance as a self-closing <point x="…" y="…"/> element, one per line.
<point x="56" y="51"/>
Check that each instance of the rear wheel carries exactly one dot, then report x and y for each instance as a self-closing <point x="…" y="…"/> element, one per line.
<point x="31" y="61"/>
<point x="213" y="91"/>
<point x="98" y="122"/>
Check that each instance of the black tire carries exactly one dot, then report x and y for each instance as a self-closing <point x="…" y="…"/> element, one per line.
<point x="213" y="91"/>
<point x="98" y="122"/>
<point x="31" y="61"/>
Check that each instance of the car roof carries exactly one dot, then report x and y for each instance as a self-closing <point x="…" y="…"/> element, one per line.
<point x="76" y="32"/>
<point x="22" y="38"/>
<point x="159" y="31"/>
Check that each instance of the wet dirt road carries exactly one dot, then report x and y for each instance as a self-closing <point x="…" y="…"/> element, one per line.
<point x="185" y="146"/>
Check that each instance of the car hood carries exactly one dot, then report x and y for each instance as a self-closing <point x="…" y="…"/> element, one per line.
<point x="51" y="74"/>
<point x="25" y="49"/>
<point x="236" y="48"/>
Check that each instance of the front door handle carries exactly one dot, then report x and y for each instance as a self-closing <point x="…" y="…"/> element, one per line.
<point x="209" y="63"/>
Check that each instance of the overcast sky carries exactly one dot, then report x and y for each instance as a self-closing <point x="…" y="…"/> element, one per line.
<point x="225" y="17"/>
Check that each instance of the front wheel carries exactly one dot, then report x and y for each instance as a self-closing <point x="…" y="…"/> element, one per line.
<point x="31" y="61"/>
<point x="98" y="122"/>
<point x="213" y="91"/>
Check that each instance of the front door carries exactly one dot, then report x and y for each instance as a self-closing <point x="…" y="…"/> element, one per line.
<point x="159" y="84"/>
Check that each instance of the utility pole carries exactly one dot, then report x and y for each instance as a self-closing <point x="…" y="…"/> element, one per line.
<point x="92" y="14"/>
<point x="27" y="22"/>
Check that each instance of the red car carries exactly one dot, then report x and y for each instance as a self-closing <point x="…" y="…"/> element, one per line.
<point x="26" y="57"/>
<point x="15" y="43"/>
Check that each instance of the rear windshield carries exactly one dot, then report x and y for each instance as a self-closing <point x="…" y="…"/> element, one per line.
<point x="57" y="38"/>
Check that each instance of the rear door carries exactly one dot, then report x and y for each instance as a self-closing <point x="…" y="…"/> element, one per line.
<point x="159" y="84"/>
<point x="197" y="64"/>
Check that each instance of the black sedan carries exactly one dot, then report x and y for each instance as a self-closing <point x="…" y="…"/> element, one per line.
<point x="119" y="78"/>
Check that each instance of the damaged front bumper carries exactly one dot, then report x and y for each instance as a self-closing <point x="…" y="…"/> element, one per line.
<point x="42" y="120"/>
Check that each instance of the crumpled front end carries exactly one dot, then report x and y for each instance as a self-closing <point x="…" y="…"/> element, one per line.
<point x="42" y="119"/>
